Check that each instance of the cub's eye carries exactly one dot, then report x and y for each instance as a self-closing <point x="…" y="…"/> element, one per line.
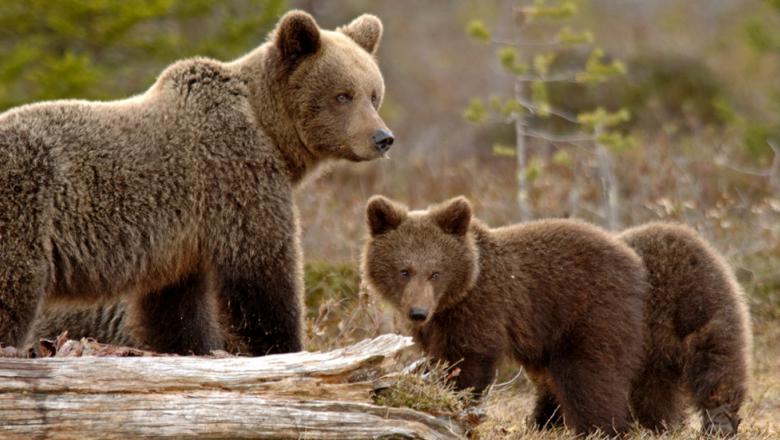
<point x="434" y="276"/>
<point x="374" y="100"/>
<point x="343" y="98"/>
<point x="405" y="274"/>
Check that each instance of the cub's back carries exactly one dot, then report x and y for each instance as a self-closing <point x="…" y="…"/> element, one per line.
<point x="568" y="266"/>
<point x="691" y="283"/>
<point x="568" y="247"/>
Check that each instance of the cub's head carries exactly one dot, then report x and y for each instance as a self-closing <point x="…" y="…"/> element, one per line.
<point x="422" y="262"/>
<point x="331" y="86"/>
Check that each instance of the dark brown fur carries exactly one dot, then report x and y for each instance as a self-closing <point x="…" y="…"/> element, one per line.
<point x="699" y="338"/>
<point x="180" y="199"/>
<point x="105" y="321"/>
<point x="563" y="298"/>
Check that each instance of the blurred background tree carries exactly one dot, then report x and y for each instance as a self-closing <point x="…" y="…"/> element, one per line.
<point x="762" y="31"/>
<point x="538" y="54"/>
<point x="102" y="49"/>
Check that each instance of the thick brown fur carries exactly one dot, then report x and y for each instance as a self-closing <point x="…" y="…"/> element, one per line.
<point x="699" y="332"/>
<point x="105" y="321"/>
<point x="180" y="199"/>
<point x="563" y="298"/>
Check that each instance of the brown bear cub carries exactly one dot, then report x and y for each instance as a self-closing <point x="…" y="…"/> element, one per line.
<point x="563" y="298"/>
<point x="699" y="332"/>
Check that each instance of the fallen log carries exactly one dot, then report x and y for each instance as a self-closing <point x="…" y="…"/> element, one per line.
<point x="297" y="395"/>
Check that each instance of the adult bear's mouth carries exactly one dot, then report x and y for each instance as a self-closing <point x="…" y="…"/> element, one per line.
<point x="371" y="154"/>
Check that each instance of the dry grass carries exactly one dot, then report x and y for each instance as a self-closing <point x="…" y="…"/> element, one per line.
<point x="428" y="389"/>
<point x="341" y="313"/>
<point x="508" y="409"/>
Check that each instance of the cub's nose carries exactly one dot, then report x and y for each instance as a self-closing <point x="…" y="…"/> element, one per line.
<point x="418" y="314"/>
<point x="383" y="139"/>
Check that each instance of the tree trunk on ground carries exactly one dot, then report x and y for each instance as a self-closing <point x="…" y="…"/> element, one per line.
<point x="297" y="395"/>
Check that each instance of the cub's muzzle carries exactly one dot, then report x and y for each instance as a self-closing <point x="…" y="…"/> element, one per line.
<point x="417" y="314"/>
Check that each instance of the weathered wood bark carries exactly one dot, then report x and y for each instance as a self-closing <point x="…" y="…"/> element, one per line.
<point x="298" y="395"/>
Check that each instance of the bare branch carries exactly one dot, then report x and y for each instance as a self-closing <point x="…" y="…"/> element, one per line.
<point x="554" y="42"/>
<point x="559" y="113"/>
<point x="570" y="139"/>
<point x="772" y="172"/>
<point x="774" y="169"/>
<point x="608" y="184"/>
<point x="520" y="149"/>
<point x="555" y="77"/>
<point x="743" y="170"/>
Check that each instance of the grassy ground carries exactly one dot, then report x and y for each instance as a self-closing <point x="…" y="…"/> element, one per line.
<point x="341" y="312"/>
<point x="507" y="409"/>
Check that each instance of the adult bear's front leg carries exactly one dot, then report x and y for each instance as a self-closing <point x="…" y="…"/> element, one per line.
<point x="262" y="294"/>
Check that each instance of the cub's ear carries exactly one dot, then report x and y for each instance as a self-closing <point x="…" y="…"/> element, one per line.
<point x="453" y="216"/>
<point x="383" y="215"/>
<point x="297" y="36"/>
<point x="365" y="30"/>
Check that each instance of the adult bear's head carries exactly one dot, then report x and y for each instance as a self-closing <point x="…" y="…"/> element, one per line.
<point x="331" y="86"/>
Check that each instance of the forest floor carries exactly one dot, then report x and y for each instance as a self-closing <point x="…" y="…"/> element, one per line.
<point x="341" y="312"/>
<point x="508" y="409"/>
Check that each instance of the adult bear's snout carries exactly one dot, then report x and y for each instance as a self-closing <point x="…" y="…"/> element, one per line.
<point x="383" y="139"/>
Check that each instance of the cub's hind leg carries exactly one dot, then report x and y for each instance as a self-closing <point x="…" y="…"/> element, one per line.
<point x="547" y="412"/>
<point x="656" y="400"/>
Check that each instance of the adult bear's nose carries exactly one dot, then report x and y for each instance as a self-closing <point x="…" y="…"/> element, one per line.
<point x="383" y="139"/>
<point x="417" y="314"/>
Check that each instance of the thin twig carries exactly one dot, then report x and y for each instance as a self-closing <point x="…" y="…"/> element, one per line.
<point x="560" y="113"/>
<point x="569" y="139"/>
<point x="556" y="77"/>
<point x="743" y="170"/>
<point x="555" y="42"/>
<point x="774" y="169"/>
<point x="500" y="386"/>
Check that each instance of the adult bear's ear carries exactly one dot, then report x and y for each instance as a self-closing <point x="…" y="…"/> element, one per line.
<point x="383" y="215"/>
<point x="453" y="216"/>
<point x="297" y="36"/>
<point x="365" y="30"/>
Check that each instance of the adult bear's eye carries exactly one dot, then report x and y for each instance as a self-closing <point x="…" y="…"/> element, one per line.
<point x="374" y="100"/>
<point x="405" y="274"/>
<point x="434" y="276"/>
<point x="343" y="98"/>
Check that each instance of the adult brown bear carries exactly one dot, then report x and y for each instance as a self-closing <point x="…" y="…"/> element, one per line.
<point x="181" y="198"/>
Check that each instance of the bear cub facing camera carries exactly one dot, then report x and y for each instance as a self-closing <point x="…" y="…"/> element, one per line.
<point x="563" y="298"/>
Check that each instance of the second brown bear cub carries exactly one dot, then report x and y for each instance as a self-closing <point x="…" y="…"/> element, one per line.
<point x="699" y="335"/>
<point x="563" y="298"/>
